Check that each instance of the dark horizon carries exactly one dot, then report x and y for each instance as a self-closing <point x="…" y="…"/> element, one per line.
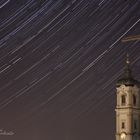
<point x="59" y="64"/>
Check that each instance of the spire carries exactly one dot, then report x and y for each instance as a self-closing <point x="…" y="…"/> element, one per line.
<point x="128" y="73"/>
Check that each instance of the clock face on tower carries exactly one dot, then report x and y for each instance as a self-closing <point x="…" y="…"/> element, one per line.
<point x="123" y="136"/>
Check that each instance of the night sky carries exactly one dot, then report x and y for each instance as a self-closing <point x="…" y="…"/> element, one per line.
<point x="59" y="63"/>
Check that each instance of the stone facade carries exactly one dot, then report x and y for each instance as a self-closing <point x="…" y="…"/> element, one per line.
<point x="128" y="113"/>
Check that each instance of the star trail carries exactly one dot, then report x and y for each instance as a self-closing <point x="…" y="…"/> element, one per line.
<point x="59" y="63"/>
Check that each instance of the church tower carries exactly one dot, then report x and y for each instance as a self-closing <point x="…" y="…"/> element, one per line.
<point x="128" y="107"/>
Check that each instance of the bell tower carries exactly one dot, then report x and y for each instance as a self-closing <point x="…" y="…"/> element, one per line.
<point x="128" y="106"/>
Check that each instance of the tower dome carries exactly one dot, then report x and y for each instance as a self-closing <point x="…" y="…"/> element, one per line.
<point x="127" y="79"/>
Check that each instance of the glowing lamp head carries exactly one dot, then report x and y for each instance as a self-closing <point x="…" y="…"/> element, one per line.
<point x="123" y="136"/>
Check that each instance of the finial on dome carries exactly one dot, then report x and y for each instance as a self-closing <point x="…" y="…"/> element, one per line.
<point x="127" y="69"/>
<point x="127" y="59"/>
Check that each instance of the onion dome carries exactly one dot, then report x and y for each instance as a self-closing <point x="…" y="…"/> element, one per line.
<point x="127" y="79"/>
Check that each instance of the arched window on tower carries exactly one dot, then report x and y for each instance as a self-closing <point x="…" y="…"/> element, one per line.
<point x="134" y="99"/>
<point x="123" y="125"/>
<point x="123" y="99"/>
